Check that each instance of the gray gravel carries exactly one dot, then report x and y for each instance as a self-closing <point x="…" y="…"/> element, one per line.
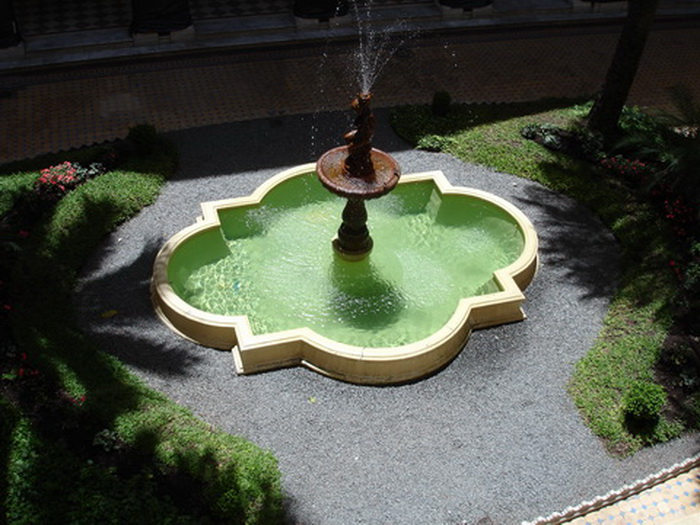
<point x="493" y="435"/>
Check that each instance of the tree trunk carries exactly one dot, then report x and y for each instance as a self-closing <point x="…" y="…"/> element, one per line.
<point x="606" y="110"/>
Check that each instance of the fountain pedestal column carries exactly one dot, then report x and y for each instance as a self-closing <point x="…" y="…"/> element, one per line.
<point x="357" y="172"/>
<point x="353" y="241"/>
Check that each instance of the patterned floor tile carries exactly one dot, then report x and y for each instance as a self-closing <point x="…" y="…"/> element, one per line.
<point x="63" y="108"/>
<point x="677" y="498"/>
<point x="38" y="17"/>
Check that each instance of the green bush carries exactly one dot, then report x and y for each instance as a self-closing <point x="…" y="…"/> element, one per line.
<point x="433" y="143"/>
<point x="239" y="482"/>
<point x="546" y="134"/>
<point x="442" y="101"/>
<point x="644" y="400"/>
<point x="634" y="122"/>
<point x="670" y="140"/>
<point x="144" y="138"/>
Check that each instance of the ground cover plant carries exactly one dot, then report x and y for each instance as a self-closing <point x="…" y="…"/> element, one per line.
<point x="83" y="440"/>
<point x="542" y="141"/>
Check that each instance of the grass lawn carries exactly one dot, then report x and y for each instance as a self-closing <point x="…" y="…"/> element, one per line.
<point x="83" y="440"/>
<point x="628" y="347"/>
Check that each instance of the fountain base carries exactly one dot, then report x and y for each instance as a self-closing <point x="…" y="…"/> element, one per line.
<point x="353" y="242"/>
<point x="376" y="359"/>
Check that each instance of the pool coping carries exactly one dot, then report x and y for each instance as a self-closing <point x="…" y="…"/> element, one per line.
<point x="257" y="353"/>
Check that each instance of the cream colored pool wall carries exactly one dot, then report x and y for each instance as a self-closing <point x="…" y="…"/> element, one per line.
<point x="257" y="353"/>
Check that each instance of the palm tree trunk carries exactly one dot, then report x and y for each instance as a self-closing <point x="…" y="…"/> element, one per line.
<point x="606" y="110"/>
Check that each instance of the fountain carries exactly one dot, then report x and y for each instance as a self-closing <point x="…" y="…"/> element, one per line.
<point x="255" y="274"/>
<point x="357" y="172"/>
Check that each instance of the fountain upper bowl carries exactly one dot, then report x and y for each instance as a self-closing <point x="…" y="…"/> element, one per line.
<point x="332" y="174"/>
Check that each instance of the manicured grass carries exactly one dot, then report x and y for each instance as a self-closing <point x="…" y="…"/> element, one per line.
<point x="74" y="420"/>
<point x="638" y="320"/>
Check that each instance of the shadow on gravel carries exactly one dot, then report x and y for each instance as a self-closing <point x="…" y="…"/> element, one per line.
<point x="576" y="242"/>
<point x="119" y="320"/>
<point x="270" y="143"/>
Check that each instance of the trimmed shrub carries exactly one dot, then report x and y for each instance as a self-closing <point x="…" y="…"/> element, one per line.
<point x="442" y="101"/>
<point x="434" y="143"/>
<point x="144" y="138"/>
<point x="644" y="400"/>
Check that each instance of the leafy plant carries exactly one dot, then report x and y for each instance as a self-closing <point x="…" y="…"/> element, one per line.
<point x="239" y="482"/>
<point x="633" y="170"/>
<point x="644" y="400"/>
<point x="55" y="181"/>
<point x="672" y="141"/>
<point x="546" y="134"/>
<point x="434" y="143"/>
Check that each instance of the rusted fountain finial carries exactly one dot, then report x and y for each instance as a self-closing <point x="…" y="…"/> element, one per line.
<point x="359" y="140"/>
<point x="357" y="172"/>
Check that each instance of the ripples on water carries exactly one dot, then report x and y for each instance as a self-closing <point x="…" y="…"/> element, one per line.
<point x="425" y="259"/>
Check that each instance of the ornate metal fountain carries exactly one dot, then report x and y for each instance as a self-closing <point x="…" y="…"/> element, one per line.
<point x="357" y="172"/>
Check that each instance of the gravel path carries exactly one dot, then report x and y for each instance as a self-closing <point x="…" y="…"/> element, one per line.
<point x="492" y="435"/>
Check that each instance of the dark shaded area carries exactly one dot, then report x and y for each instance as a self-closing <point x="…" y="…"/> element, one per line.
<point x="9" y="34"/>
<point x="255" y="145"/>
<point x="321" y="10"/>
<point x="678" y="369"/>
<point x="59" y="432"/>
<point x="160" y="16"/>
<point x="576" y="243"/>
<point x="65" y="424"/>
<point x="129" y="310"/>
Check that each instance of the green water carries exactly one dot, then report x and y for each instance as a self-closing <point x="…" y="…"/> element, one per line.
<point x="275" y="264"/>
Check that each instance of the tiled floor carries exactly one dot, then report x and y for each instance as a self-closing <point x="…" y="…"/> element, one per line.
<point x="677" y="498"/>
<point x="673" y="500"/>
<point x="54" y="109"/>
<point x="38" y="17"/>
